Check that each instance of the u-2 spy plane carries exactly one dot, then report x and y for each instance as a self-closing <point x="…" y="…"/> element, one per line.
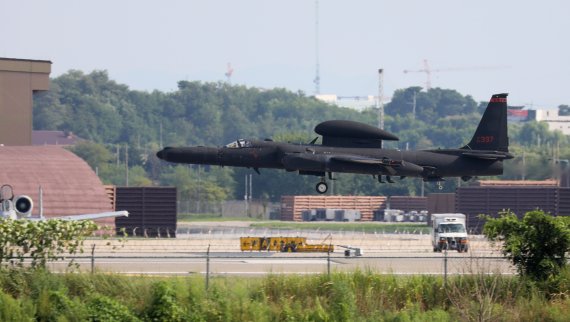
<point x="353" y="147"/>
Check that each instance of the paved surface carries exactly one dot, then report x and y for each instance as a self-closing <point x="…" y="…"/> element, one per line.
<point x="188" y="254"/>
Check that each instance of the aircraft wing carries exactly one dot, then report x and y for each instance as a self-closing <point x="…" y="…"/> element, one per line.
<point x="390" y="166"/>
<point x="122" y="213"/>
<point x="387" y="164"/>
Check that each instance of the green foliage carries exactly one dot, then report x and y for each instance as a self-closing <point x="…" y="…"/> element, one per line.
<point x="57" y="306"/>
<point x="94" y="154"/>
<point x="98" y="109"/>
<point x="42" y="241"/>
<point x="105" y="309"/>
<point x="196" y="184"/>
<point x="358" y="296"/>
<point x="164" y="306"/>
<point x="536" y="245"/>
<point x="13" y="310"/>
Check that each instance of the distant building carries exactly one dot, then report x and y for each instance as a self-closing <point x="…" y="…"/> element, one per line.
<point x="69" y="185"/>
<point x="355" y="102"/>
<point x="551" y="117"/>
<point x="517" y="115"/>
<point x="63" y="138"/>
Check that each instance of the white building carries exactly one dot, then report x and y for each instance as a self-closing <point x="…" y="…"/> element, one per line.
<point x="358" y="103"/>
<point x="554" y="121"/>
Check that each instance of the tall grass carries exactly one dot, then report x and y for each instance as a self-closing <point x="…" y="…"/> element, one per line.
<point x="359" y="296"/>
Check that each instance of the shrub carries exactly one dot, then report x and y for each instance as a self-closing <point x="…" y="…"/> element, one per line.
<point x="15" y="310"/>
<point x="164" y="306"/>
<point x="105" y="309"/>
<point x="536" y="245"/>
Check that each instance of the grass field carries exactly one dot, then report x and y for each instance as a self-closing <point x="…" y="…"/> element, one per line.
<point x="212" y="218"/>
<point x="368" y="227"/>
<point x="361" y="296"/>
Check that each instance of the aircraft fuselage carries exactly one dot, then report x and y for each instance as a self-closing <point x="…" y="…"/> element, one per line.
<point x="352" y="147"/>
<point x="318" y="159"/>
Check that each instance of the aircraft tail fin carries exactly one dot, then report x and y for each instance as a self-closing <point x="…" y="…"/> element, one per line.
<point x="491" y="134"/>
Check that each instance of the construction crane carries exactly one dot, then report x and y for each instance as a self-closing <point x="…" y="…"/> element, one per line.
<point x="428" y="70"/>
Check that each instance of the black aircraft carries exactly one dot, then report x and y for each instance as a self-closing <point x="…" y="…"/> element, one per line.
<point x="354" y="147"/>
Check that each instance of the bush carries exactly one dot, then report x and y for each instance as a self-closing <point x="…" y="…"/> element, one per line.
<point x="164" y="306"/>
<point x="105" y="309"/>
<point x="536" y="245"/>
<point x="43" y="241"/>
<point x="57" y="306"/>
<point x="15" y="310"/>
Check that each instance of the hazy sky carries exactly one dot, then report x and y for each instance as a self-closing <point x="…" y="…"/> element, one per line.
<point x="153" y="44"/>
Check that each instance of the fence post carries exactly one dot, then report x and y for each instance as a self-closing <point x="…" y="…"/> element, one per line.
<point x="92" y="258"/>
<point x="208" y="268"/>
<point x="445" y="269"/>
<point x="329" y="262"/>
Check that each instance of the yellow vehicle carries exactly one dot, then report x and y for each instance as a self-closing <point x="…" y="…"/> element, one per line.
<point x="282" y="244"/>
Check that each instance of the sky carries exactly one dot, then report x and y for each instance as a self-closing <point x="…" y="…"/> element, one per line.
<point x="478" y="48"/>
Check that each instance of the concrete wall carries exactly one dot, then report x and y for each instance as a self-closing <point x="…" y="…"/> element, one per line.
<point x="19" y="79"/>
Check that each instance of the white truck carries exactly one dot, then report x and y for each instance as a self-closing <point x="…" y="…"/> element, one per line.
<point x="449" y="232"/>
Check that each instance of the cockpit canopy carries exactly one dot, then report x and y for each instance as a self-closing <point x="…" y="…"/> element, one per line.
<point x="241" y="143"/>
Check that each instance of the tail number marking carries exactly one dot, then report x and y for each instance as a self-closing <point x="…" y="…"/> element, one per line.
<point x="485" y="139"/>
<point x="498" y="100"/>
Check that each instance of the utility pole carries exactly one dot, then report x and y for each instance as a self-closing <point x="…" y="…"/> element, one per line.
<point x="380" y="102"/>
<point x="126" y="165"/>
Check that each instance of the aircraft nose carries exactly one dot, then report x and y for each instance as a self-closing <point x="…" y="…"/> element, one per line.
<point x="163" y="154"/>
<point x="194" y="155"/>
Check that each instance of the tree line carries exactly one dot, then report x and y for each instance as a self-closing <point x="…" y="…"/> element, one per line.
<point x="124" y="128"/>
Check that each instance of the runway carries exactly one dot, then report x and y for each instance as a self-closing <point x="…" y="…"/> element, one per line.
<point x="219" y="254"/>
<point x="291" y="264"/>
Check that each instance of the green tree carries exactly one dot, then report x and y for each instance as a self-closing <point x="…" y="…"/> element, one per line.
<point x="536" y="245"/>
<point x="43" y="241"/>
<point x="95" y="154"/>
<point x="97" y="108"/>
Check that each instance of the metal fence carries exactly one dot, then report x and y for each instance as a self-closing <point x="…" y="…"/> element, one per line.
<point x="255" y="263"/>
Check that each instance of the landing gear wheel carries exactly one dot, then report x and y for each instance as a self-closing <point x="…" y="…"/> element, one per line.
<point x="322" y="187"/>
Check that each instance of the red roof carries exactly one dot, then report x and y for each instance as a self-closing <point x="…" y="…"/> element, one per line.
<point x="69" y="185"/>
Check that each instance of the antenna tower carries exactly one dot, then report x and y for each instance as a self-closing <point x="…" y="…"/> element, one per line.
<point x="380" y="101"/>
